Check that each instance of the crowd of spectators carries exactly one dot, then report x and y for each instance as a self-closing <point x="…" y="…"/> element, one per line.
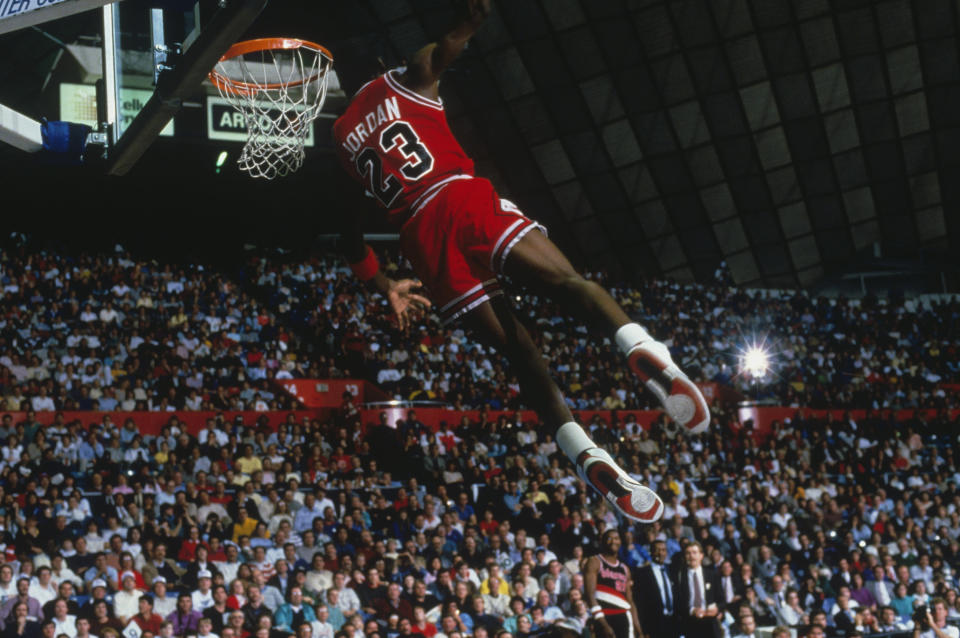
<point x="315" y="529"/>
<point x="322" y="529"/>
<point x="826" y="352"/>
<point x="108" y="332"/>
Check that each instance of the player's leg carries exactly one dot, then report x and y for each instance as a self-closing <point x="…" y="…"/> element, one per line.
<point x="622" y="625"/>
<point x="536" y="262"/>
<point x="499" y="327"/>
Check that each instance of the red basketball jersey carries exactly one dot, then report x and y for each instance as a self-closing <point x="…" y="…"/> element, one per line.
<point x="398" y="145"/>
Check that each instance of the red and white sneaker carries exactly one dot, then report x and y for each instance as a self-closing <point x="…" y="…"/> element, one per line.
<point x="680" y="397"/>
<point x="633" y="500"/>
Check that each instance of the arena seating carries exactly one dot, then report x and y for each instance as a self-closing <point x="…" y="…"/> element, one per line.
<point x="313" y="512"/>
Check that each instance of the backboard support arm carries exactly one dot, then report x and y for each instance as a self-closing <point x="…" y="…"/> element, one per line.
<point x="20" y="131"/>
<point x="177" y="84"/>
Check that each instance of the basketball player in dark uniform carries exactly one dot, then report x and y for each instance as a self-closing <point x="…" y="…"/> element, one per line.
<point x="607" y="588"/>
<point x="461" y="237"/>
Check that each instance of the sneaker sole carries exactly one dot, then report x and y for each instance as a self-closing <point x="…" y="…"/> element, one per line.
<point x="684" y="403"/>
<point x="599" y="474"/>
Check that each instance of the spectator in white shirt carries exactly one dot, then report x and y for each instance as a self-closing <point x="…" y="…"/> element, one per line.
<point x="41" y="588"/>
<point x="203" y="596"/>
<point x="162" y="604"/>
<point x="42" y="402"/>
<point x="348" y="601"/>
<point x="126" y="602"/>
<point x="65" y="623"/>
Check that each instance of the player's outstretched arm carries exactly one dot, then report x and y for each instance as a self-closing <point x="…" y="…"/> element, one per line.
<point x="429" y="63"/>
<point x="401" y="294"/>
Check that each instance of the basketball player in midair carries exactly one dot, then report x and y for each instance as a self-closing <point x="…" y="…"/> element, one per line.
<point x="607" y="589"/>
<point x="461" y="237"/>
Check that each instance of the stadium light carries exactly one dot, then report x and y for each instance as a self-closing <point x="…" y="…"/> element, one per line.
<point x="755" y="360"/>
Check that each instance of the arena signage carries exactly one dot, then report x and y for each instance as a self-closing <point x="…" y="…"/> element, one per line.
<point x="17" y="14"/>
<point x="328" y="393"/>
<point x="10" y="8"/>
<point x="78" y="103"/>
<point x="226" y="123"/>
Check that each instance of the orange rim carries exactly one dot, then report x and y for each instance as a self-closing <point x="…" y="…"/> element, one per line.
<point x="239" y="87"/>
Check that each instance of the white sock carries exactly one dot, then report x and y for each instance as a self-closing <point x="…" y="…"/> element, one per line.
<point x="629" y="335"/>
<point x="573" y="440"/>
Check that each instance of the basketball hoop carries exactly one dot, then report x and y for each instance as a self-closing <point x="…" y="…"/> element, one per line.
<point x="279" y="85"/>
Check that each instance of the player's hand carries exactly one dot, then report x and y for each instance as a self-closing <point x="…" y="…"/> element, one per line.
<point x="406" y="304"/>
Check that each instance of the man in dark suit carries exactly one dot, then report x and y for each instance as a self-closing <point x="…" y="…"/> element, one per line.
<point x="843" y="576"/>
<point x="699" y="601"/>
<point x="731" y="586"/>
<point x="654" y="595"/>
<point x="845" y="619"/>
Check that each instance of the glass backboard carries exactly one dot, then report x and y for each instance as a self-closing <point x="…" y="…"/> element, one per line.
<point x="144" y="40"/>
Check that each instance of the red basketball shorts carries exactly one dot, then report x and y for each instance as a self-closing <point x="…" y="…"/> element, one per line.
<point x="458" y="240"/>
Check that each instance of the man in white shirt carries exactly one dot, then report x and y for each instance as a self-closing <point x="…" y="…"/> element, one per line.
<point x="8" y="586"/>
<point x="230" y="567"/>
<point x="348" y="602"/>
<point x="126" y="602"/>
<point x="42" y="402"/>
<point x="206" y="507"/>
<point x="42" y="588"/>
<point x="923" y="571"/>
<point x="202" y="597"/>
<point x="163" y="605"/>
<point x="65" y="623"/>
<point x="881" y="587"/>
<point x="936" y="625"/>
<point x="212" y="436"/>
<point x="59" y="572"/>
<point x="321" y="626"/>
<point x="791" y="613"/>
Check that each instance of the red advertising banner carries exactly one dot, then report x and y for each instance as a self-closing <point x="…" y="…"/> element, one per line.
<point x="723" y="393"/>
<point x="328" y="393"/>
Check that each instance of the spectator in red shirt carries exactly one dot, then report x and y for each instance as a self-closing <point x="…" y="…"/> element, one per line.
<point x="420" y="624"/>
<point x="188" y="548"/>
<point x="393" y="603"/>
<point x="145" y="618"/>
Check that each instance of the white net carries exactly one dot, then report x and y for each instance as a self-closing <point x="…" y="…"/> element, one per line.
<point x="280" y="92"/>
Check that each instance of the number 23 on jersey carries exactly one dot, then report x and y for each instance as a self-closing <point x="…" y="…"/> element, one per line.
<point x="397" y="141"/>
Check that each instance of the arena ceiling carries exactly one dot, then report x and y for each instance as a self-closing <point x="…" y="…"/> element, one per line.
<point x="785" y="137"/>
<point x="788" y="138"/>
